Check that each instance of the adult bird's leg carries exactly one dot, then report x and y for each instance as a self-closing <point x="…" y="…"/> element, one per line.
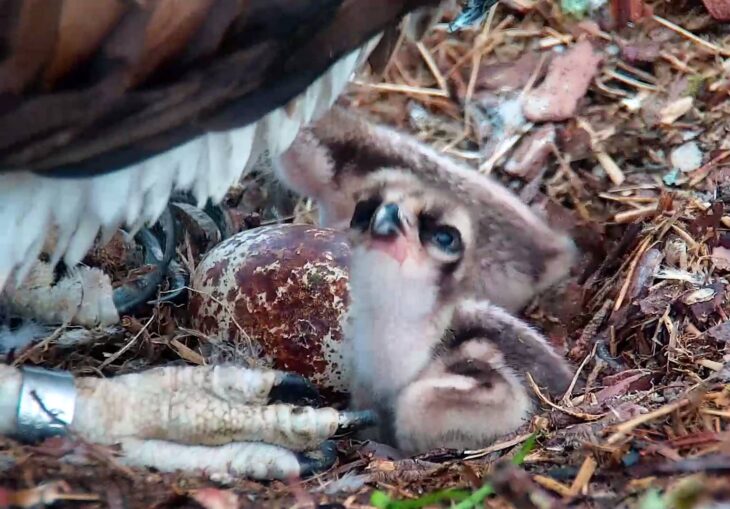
<point x="224" y="420"/>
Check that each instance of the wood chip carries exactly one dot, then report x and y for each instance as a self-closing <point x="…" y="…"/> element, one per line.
<point x="611" y="168"/>
<point x="186" y="353"/>
<point x="676" y="109"/>
<point x="587" y="469"/>
<point x="553" y="485"/>
<point x="638" y="213"/>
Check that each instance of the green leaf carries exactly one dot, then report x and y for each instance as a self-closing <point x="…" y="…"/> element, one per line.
<point x="576" y="8"/>
<point x="383" y="501"/>
<point x="479" y="495"/>
<point x="380" y="500"/>
<point x="652" y="500"/>
<point x="476" y="498"/>
<point x="694" y="84"/>
<point x="466" y="501"/>
<point x="526" y="449"/>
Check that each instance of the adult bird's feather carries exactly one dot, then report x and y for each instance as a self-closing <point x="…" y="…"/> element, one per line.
<point x="143" y="97"/>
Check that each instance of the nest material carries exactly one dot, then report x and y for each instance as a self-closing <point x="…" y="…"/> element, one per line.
<point x="636" y="167"/>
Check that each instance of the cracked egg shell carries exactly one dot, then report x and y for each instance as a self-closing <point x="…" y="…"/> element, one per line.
<point x="287" y="287"/>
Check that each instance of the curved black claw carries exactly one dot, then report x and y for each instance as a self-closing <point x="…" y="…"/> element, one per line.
<point x="603" y="354"/>
<point x="295" y="390"/>
<point x="214" y="212"/>
<point x="314" y="462"/>
<point x="129" y="296"/>
<point x="179" y="279"/>
<point x="201" y="227"/>
<point x="354" y="420"/>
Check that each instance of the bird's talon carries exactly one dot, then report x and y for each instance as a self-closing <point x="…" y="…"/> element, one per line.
<point x="201" y="227"/>
<point x="356" y="420"/>
<point x="294" y="389"/>
<point x="129" y="296"/>
<point x="179" y="280"/>
<point x="210" y="214"/>
<point x="603" y="353"/>
<point x="319" y="460"/>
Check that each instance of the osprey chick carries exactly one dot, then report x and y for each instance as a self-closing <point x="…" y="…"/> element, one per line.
<point x="518" y="254"/>
<point x="440" y="368"/>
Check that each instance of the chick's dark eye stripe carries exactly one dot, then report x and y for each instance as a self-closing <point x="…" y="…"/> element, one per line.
<point x="427" y="224"/>
<point x="364" y="211"/>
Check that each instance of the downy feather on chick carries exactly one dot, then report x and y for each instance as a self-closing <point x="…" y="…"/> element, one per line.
<point x="518" y="254"/>
<point x="441" y="367"/>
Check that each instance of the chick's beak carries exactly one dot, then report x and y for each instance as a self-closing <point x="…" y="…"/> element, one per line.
<point x="392" y="232"/>
<point x="388" y="222"/>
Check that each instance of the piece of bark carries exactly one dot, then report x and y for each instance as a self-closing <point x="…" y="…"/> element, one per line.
<point x="566" y="83"/>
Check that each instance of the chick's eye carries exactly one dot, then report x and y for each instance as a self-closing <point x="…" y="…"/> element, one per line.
<point x="447" y="239"/>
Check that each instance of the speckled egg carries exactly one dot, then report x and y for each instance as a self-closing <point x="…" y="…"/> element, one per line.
<point x="286" y="287"/>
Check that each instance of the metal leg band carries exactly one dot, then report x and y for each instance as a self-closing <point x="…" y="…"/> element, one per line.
<point x="46" y="404"/>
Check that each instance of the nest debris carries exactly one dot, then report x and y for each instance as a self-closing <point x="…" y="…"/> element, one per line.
<point x="619" y="135"/>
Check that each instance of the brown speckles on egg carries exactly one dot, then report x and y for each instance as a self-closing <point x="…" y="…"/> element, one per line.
<point x="215" y="272"/>
<point x="286" y="286"/>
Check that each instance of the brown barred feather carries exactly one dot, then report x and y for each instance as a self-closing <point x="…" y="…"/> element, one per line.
<point x="83" y="26"/>
<point x="90" y="86"/>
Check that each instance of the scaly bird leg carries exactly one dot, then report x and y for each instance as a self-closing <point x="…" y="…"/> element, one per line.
<point x="223" y="420"/>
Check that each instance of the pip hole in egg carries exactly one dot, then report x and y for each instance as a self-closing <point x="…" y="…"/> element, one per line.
<point x="286" y="288"/>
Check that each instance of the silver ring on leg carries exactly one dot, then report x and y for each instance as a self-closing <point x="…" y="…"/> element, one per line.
<point x="46" y="404"/>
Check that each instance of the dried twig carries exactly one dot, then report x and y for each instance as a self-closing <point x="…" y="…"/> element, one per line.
<point x="573" y="413"/>
<point x="714" y="48"/>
